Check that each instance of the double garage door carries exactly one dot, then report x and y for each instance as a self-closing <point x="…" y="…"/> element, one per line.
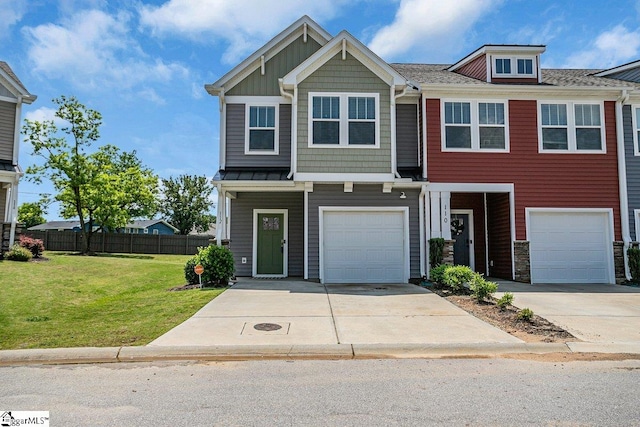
<point x="570" y="247"/>
<point x="363" y="246"/>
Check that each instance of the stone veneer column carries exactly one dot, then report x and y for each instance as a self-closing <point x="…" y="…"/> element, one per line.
<point x="447" y="252"/>
<point x="522" y="261"/>
<point x="618" y="262"/>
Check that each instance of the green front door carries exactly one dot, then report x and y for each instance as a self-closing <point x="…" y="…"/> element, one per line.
<point x="270" y="253"/>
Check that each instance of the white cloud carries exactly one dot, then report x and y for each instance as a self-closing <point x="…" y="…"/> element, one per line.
<point x="11" y="12"/>
<point x="94" y="50"/>
<point x="244" y="24"/>
<point x="44" y="114"/>
<point x="428" y="26"/>
<point x="611" y="48"/>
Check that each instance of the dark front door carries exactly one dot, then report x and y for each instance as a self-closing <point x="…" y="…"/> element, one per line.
<point x="270" y="253"/>
<point x="460" y="233"/>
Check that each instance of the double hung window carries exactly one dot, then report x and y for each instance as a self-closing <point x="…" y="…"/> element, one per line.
<point x="474" y="125"/>
<point x="571" y="127"/>
<point x="261" y="136"/>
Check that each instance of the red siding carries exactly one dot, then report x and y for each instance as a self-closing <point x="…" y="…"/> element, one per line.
<point x="514" y="80"/>
<point x="499" y="235"/>
<point x="474" y="201"/>
<point x="476" y="69"/>
<point x="541" y="180"/>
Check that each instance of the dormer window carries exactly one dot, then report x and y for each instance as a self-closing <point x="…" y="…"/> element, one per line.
<point x="513" y="67"/>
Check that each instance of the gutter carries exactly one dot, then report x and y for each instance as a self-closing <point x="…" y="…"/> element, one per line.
<point x="622" y="182"/>
<point x="294" y="124"/>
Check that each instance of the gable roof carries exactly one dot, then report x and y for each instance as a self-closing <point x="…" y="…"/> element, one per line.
<point x="344" y="40"/>
<point x="146" y="223"/>
<point x="618" y="69"/>
<point x="13" y="83"/>
<point x="302" y="26"/>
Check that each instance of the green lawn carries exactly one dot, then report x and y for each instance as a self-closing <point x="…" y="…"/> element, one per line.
<point x="77" y="301"/>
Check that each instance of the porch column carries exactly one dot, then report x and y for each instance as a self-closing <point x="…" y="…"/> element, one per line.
<point x="221" y="218"/>
<point x="12" y="213"/>
<point x="436" y="230"/>
<point x="445" y="214"/>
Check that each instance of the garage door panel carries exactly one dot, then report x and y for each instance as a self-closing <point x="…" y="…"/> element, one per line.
<point x="570" y="247"/>
<point x="363" y="246"/>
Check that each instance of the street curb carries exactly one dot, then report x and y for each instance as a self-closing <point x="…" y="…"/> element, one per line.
<point x="90" y="355"/>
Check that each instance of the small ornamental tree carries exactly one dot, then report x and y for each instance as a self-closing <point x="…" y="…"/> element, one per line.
<point x="35" y="246"/>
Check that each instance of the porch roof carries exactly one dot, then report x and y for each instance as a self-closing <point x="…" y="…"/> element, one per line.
<point x="254" y="174"/>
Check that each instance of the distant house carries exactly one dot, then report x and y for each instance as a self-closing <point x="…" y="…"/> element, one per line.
<point x="146" y="226"/>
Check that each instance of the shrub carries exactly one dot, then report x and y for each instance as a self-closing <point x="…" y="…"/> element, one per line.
<point x="525" y="314"/>
<point x="481" y="288"/>
<point x="436" y="251"/>
<point x="457" y="276"/>
<point x="437" y="273"/>
<point x="35" y="246"/>
<point x="505" y="300"/>
<point x="634" y="263"/>
<point x="217" y="262"/>
<point x="18" y="253"/>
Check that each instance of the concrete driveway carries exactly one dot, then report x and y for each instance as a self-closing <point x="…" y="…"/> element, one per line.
<point x="310" y="313"/>
<point x="592" y="313"/>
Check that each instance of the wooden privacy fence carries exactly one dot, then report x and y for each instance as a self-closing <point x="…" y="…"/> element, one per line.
<point x="122" y="243"/>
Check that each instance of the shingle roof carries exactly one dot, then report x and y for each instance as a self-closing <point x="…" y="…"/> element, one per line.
<point x="437" y="74"/>
<point x="7" y="69"/>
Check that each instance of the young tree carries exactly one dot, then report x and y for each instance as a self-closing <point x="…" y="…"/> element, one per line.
<point x="31" y="214"/>
<point x="103" y="189"/>
<point x="186" y="203"/>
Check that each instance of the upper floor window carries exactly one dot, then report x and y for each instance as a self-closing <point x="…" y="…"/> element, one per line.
<point x="635" y="110"/>
<point x="344" y="119"/>
<point x="261" y="133"/>
<point x="571" y="127"/>
<point x="474" y="125"/>
<point x="514" y="67"/>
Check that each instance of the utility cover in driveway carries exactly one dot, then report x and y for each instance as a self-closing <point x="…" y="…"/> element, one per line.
<point x="363" y="247"/>
<point x="570" y="247"/>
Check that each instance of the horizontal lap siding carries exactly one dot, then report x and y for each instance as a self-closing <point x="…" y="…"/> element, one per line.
<point x="474" y="201"/>
<point x="7" y="129"/>
<point x="498" y="222"/>
<point x="633" y="169"/>
<point x="242" y="227"/>
<point x="540" y="180"/>
<point x="3" y="203"/>
<point x="235" y="128"/>
<point x="407" y="135"/>
<point x="362" y="196"/>
<point x="476" y="68"/>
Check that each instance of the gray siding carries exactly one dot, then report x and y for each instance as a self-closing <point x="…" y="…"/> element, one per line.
<point x="407" y="141"/>
<point x="349" y="75"/>
<point x="235" y="125"/>
<point x="363" y="195"/>
<point x="7" y="129"/>
<point x="242" y="227"/>
<point x="6" y="93"/>
<point x="3" y="203"/>
<point x="633" y="169"/>
<point x="632" y="75"/>
<point x="286" y="60"/>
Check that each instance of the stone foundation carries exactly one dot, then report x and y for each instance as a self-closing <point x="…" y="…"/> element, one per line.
<point x="618" y="262"/>
<point x="522" y="261"/>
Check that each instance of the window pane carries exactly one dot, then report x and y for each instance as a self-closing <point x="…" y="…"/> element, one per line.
<point x="503" y="66"/>
<point x="326" y="132"/>
<point x="317" y="107"/>
<point x="458" y="136"/>
<point x="587" y="115"/>
<point x="261" y="140"/>
<point x="491" y="113"/>
<point x="457" y="112"/>
<point x="588" y="139"/>
<point x="525" y="66"/>
<point x="362" y="108"/>
<point x="491" y="137"/>
<point x="637" y="118"/>
<point x="554" y="114"/>
<point x="326" y="107"/>
<point x="271" y="117"/>
<point x="362" y="133"/>
<point x="253" y="116"/>
<point x="554" y="139"/>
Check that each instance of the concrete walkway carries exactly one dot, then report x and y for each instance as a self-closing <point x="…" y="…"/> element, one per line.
<point x="314" y="314"/>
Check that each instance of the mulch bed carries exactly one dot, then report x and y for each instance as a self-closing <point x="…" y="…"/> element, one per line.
<point x="536" y="330"/>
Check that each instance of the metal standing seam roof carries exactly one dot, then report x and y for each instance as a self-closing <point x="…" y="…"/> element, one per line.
<point x="252" y="175"/>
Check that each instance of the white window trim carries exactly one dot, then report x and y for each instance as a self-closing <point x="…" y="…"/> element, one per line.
<point x="475" y="126"/>
<point x="635" y="124"/>
<point x="276" y="145"/>
<point x="636" y="222"/>
<point x="344" y="119"/>
<point x="571" y="128"/>
<point x="514" y="66"/>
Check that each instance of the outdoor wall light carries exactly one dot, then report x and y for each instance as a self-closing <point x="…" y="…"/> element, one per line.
<point x="402" y="195"/>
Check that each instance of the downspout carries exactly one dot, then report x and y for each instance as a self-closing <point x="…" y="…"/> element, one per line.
<point x="223" y="129"/>
<point x="394" y="154"/>
<point x="13" y="208"/>
<point x="294" y="124"/>
<point x="423" y="237"/>
<point x="622" y="182"/>
<point x="423" y="106"/>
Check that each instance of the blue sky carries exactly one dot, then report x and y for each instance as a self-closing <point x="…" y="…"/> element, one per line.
<point x="143" y="64"/>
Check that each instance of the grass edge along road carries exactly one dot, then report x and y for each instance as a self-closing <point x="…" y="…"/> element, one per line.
<point x="102" y="301"/>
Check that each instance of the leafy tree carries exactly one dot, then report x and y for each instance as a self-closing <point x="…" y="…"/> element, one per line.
<point x="104" y="189"/>
<point x="31" y="214"/>
<point x="186" y="203"/>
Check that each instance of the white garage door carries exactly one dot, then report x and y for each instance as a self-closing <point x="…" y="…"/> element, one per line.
<point x="570" y="247"/>
<point x="363" y="247"/>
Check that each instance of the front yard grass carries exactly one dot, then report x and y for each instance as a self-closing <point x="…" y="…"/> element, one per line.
<point x="79" y="301"/>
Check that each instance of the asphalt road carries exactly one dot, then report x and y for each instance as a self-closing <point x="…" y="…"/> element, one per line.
<point x="330" y="393"/>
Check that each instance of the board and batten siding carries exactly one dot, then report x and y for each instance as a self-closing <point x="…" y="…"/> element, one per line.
<point x="277" y="67"/>
<point x="241" y="232"/>
<point x="7" y="129"/>
<point x="407" y="135"/>
<point x="235" y="125"/>
<point x="566" y="180"/>
<point x="633" y="169"/>
<point x="349" y="75"/>
<point x="362" y="196"/>
<point x="476" y="69"/>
